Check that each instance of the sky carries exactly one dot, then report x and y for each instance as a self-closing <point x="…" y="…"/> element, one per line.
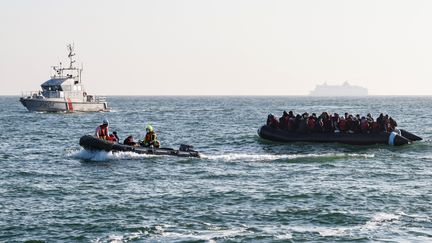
<point x="223" y="47"/>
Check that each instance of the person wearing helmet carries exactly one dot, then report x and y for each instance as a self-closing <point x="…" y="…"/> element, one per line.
<point x="102" y="130"/>
<point x="150" y="138"/>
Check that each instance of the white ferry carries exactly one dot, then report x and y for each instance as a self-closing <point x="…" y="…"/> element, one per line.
<point x="64" y="92"/>
<point x="345" y="89"/>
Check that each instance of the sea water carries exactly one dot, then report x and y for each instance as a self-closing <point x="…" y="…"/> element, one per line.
<point x="242" y="189"/>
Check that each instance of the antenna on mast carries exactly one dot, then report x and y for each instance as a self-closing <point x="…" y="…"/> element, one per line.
<point x="71" y="54"/>
<point x="80" y="71"/>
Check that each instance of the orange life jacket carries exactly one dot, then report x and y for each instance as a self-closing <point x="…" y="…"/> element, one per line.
<point x="311" y="123"/>
<point x="103" y="132"/>
<point x="343" y="125"/>
<point x="150" y="136"/>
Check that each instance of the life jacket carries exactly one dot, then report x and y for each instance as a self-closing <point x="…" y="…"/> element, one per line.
<point x="311" y="123"/>
<point x="150" y="136"/>
<point x="364" y="125"/>
<point x="375" y="127"/>
<point x="112" y="138"/>
<point x="274" y="122"/>
<point x="103" y="132"/>
<point x="342" y="125"/>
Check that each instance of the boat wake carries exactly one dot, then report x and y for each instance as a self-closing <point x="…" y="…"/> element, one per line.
<point x="107" y="156"/>
<point x="379" y="222"/>
<point x="235" y="157"/>
<point x="230" y="157"/>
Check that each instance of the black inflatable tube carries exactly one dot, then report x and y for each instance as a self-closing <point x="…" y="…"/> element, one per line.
<point x="94" y="144"/>
<point x="410" y="136"/>
<point x="279" y="135"/>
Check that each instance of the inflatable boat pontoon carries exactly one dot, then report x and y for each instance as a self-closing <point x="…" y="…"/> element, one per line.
<point x="390" y="138"/>
<point x="95" y="144"/>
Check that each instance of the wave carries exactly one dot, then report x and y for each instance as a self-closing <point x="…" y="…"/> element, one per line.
<point x="378" y="222"/>
<point x="158" y="233"/>
<point x="232" y="157"/>
<point x="380" y="219"/>
<point x="421" y="157"/>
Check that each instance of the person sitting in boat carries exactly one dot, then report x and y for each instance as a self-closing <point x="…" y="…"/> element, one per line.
<point x="369" y="118"/>
<point x="311" y="123"/>
<point x="112" y="138"/>
<point x="283" y="121"/>
<point x="302" y="123"/>
<point x="356" y="124"/>
<point x="272" y="121"/>
<point x="150" y="138"/>
<point x="335" y="122"/>
<point x="375" y="127"/>
<point x="130" y="141"/>
<point x="116" y="136"/>
<point x="326" y="123"/>
<point x="342" y="124"/>
<point x="102" y="130"/>
<point x="391" y="125"/>
<point x="364" y="125"/>
<point x="380" y="121"/>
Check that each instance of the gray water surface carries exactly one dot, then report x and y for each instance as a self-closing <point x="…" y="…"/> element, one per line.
<point x="243" y="189"/>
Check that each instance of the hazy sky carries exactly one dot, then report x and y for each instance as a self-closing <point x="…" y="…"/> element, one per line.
<point x="200" y="47"/>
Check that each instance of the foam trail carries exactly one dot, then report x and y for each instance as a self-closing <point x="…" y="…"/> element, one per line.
<point x="106" y="156"/>
<point x="272" y="157"/>
<point x="91" y="155"/>
<point x="379" y="220"/>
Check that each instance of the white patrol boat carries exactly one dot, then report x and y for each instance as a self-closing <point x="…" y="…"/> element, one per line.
<point x="64" y="92"/>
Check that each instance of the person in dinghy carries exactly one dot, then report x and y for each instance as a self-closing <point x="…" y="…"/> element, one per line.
<point x="150" y="139"/>
<point x="103" y="133"/>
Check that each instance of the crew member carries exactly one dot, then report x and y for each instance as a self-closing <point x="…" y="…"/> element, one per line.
<point x="102" y="130"/>
<point x="116" y="136"/>
<point x="150" y="138"/>
<point x="130" y="141"/>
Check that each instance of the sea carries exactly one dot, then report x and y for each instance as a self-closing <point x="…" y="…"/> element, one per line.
<point x="242" y="189"/>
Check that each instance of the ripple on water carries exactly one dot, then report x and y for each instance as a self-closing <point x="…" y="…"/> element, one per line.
<point x="242" y="189"/>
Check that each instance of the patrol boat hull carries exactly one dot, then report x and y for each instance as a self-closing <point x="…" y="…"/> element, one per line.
<point x="47" y="105"/>
<point x="95" y="144"/>
<point x="64" y="92"/>
<point x="346" y="138"/>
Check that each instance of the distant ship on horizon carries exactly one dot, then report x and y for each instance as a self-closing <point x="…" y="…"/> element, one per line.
<point x="345" y="89"/>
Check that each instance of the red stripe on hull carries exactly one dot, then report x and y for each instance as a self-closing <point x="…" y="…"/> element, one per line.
<point x="69" y="104"/>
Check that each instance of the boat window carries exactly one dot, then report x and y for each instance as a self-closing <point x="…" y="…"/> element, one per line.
<point x="53" y="88"/>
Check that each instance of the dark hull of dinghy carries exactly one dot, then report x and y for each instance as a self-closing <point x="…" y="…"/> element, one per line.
<point x="278" y="135"/>
<point x="91" y="143"/>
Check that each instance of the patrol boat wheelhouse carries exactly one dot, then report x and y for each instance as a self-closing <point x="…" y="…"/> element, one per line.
<point x="64" y="92"/>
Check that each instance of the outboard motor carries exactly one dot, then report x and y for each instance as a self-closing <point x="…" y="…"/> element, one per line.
<point x="186" y="148"/>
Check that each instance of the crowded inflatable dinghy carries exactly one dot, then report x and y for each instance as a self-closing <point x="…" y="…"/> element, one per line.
<point x="391" y="138"/>
<point x="348" y="129"/>
<point x="95" y="144"/>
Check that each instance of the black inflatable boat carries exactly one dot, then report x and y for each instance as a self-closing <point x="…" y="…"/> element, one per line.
<point x="95" y="144"/>
<point x="393" y="138"/>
